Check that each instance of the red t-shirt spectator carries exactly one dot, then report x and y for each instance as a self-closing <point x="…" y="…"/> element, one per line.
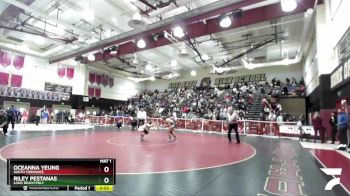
<point x="264" y="102"/>
<point x="185" y="109"/>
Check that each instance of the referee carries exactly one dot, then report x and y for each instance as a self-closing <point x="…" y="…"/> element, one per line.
<point x="232" y="118"/>
<point x="141" y="117"/>
<point x="11" y="116"/>
<point x="3" y="121"/>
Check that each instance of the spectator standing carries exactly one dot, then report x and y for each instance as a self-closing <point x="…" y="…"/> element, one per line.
<point x="18" y="116"/>
<point x="225" y="114"/>
<point x="279" y="121"/>
<point x="58" y="116"/>
<point x="264" y="102"/>
<point x="250" y="99"/>
<point x="66" y="116"/>
<point x="133" y="123"/>
<point x="343" y="124"/>
<point x="11" y="116"/>
<point x="52" y="117"/>
<point x="25" y="116"/>
<point x="318" y="128"/>
<point x="344" y="104"/>
<point x="300" y="128"/>
<point x="3" y="121"/>
<point x="38" y="115"/>
<point x="45" y="115"/>
<point x="333" y="121"/>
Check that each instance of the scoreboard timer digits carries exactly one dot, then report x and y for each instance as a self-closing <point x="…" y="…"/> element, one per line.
<point x="61" y="174"/>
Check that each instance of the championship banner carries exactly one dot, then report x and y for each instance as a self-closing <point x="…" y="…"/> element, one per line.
<point x="92" y="78"/>
<point x="343" y="47"/>
<point x="4" y="78"/>
<point x="111" y="82"/>
<point x="16" y="80"/>
<point x="18" y="61"/>
<point x="8" y="91"/>
<point x="57" y="88"/>
<point x="105" y="80"/>
<point x="8" y="57"/>
<point x="70" y="72"/>
<point x="61" y="70"/>
<point x="97" y="92"/>
<point x="341" y="74"/>
<point x="98" y="79"/>
<point x="5" y="58"/>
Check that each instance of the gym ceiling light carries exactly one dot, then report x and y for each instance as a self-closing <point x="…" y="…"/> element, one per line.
<point x="173" y="63"/>
<point x="141" y="43"/>
<point x="137" y="16"/>
<point x="91" y="57"/>
<point x="205" y="57"/>
<point x="225" y="21"/>
<point x="193" y="73"/>
<point x="148" y="67"/>
<point x="178" y="32"/>
<point x="288" y="5"/>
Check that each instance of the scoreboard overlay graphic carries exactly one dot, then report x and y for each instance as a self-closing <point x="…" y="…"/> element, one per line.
<point x="61" y="174"/>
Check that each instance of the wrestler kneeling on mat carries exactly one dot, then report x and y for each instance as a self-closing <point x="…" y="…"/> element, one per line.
<point x="145" y="129"/>
<point x="170" y="124"/>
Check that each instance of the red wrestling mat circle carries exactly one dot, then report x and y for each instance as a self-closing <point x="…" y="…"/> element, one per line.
<point x="154" y="155"/>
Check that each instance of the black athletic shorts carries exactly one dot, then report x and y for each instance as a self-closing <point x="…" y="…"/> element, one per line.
<point x="145" y="131"/>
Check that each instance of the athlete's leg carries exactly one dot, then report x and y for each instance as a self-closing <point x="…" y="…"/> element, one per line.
<point x="172" y="133"/>
<point x="143" y="134"/>
<point x="169" y="133"/>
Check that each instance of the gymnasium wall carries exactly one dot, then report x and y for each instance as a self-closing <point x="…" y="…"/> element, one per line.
<point x="280" y="72"/>
<point x="332" y="21"/>
<point x="36" y="71"/>
<point x="122" y="88"/>
<point x="310" y="70"/>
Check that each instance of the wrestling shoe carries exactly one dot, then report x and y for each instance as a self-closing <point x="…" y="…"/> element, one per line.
<point x="343" y="147"/>
<point x="339" y="146"/>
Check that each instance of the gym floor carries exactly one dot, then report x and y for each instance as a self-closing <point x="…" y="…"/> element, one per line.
<point x="194" y="164"/>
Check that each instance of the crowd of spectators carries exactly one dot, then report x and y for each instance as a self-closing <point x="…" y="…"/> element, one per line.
<point x="290" y="87"/>
<point x="208" y="103"/>
<point x="195" y="102"/>
<point x="211" y="102"/>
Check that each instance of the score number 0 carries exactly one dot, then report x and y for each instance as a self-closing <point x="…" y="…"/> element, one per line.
<point x="106" y="179"/>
